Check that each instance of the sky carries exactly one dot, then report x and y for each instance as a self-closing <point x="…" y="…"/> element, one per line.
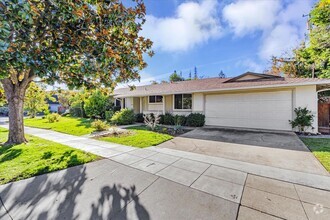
<point x="234" y="36"/>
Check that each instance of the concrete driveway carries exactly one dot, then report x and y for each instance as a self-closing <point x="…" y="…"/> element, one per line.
<point x="271" y="148"/>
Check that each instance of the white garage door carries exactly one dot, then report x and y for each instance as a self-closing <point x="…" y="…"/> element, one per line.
<point x="266" y="110"/>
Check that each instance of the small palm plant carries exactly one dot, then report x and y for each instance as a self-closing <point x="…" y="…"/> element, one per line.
<point x="151" y="120"/>
<point x="304" y="119"/>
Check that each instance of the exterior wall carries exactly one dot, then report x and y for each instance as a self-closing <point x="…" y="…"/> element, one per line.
<point x="136" y="105"/>
<point x="54" y="107"/>
<point x="306" y="96"/>
<point x="198" y="103"/>
<point x="129" y="103"/>
<point x="169" y="103"/>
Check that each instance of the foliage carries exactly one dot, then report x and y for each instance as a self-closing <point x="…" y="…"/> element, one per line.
<point x="97" y="104"/>
<point x="37" y="157"/>
<point x="168" y="119"/>
<point x="320" y="147"/>
<point x="174" y="77"/>
<point x="68" y="125"/>
<point x="54" y="117"/>
<point x="99" y="125"/>
<point x="66" y="97"/>
<point x="304" y="118"/>
<point x="140" y="137"/>
<point x="139" y="118"/>
<point x="195" y="120"/>
<point x="108" y="115"/>
<point x="314" y="54"/>
<point x="123" y="117"/>
<point x="179" y="120"/>
<point x="151" y="121"/>
<point x="36" y="99"/>
<point x="3" y="100"/>
<point x="57" y="41"/>
<point x="77" y="110"/>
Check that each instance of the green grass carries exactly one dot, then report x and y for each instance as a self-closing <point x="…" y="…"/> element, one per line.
<point x="68" y="125"/>
<point x="37" y="157"/>
<point x="320" y="147"/>
<point x="141" y="138"/>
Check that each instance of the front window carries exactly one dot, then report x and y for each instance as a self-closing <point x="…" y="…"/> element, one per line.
<point x="182" y="101"/>
<point x="156" y="99"/>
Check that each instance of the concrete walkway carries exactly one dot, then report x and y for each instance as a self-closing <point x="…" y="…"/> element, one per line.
<point x="160" y="183"/>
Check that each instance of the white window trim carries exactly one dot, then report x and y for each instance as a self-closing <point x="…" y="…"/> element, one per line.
<point x="182" y="110"/>
<point x="155" y="103"/>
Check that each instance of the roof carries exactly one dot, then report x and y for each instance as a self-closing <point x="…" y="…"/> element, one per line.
<point x="217" y="84"/>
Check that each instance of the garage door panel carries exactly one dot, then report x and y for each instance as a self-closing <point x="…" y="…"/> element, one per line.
<point x="268" y="110"/>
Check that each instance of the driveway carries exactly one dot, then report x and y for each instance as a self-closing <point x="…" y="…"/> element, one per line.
<point x="271" y="148"/>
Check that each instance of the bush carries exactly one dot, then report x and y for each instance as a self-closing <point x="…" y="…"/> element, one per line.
<point x="180" y="120"/>
<point x="97" y="104"/>
<point x="123" y="117"/>
<point x="54" y="117"/>
<point x="195" y="120"/>
<point x="139" y="118"/>
<point x="161" y="119"/>
<point x="77" y="110"/>
<point x="168" y="119"/>
<point x="304" y="118"/>
<point x="99" y="125"/>
<point x="108" y="115"/>
<point x="4" y="111"/>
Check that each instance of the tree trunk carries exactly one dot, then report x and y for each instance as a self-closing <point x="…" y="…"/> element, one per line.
<point x="16" y="124"/>
<point x="15" y="93"/>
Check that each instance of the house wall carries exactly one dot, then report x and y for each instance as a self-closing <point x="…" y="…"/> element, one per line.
<point x="198" y="103"/>
<point x="129" y="103"/>
<point x="136" y="105"/>
<point x="306" y="96"/>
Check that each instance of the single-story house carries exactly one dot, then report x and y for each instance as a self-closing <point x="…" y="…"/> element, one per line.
<point x="251" y="100"/>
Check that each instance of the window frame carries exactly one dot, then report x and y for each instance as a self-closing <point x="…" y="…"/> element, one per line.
<point x="182" y="109"/>
<point x="155" y="103"/>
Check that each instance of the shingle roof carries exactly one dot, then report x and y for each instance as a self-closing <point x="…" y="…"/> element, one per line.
<point x="212" y="84"/>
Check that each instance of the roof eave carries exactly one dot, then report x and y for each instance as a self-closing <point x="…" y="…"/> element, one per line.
<point x="230" y="89"/>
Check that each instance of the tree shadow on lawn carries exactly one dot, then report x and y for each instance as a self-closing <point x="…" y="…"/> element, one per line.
<point x="85" y="122"/>
<point x="68" y="194"/>
<point x="8" y="153"/>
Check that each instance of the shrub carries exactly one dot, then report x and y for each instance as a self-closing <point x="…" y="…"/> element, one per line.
<point x="4" y="111"/>
<point x="54" y="117"/>
<point x="99" y="125"/>
<point x="168" y="119"/>
<point x="304" y="118"/>
<point x="195" y="120"/>
<point x="161" y="119"/>
<point x="96" y="105"/>
<point x="139" y="118"/>
<point x="108" y="115"/>
<point x="180" y="120"/>
<point x="123" y="117"/>
<point x="77" y="110"/>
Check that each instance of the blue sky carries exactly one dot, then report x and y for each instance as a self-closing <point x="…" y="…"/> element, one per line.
<point x="230" y="35"/>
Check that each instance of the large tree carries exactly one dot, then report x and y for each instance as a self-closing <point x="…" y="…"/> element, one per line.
<point x="79" y="42"/>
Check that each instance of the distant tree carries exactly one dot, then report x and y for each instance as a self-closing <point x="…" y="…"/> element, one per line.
<point x="189" y="76"/>
<point x="163" y="81"/>
<point x="174" y="77"/>
<point x="66" y="97"/>
<point x="36" y="100"/>
<point x="97" y="104"/>
<point x="154" y="82"/>
<point x="222" y="75"/>
<point x="195" y="73"/>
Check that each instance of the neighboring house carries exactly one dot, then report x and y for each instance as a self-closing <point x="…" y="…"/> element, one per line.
<point x="250" y="100"/>
<point x="55" y="106"/>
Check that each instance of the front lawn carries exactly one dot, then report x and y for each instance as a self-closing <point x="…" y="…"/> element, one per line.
<point x="68" y="125"/>
<point x="320" y="147"/>
<point x="37" y="157"/>
<point x="140" y="137"/>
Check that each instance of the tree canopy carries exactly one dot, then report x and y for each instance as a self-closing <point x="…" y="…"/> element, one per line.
<point x="175" y="77"/>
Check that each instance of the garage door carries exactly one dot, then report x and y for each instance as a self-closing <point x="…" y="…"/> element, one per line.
<point x="266" y="110"/>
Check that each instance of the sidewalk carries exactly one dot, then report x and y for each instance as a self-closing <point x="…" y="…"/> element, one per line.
<point x="182" y="185"/>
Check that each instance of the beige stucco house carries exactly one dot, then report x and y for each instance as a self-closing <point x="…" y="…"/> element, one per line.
<point x="250" y="100"/>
